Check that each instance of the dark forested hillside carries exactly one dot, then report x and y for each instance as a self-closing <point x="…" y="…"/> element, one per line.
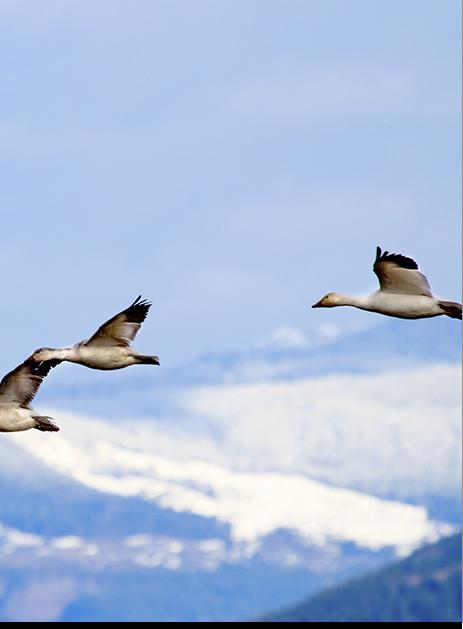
<point x="425" y="587"/>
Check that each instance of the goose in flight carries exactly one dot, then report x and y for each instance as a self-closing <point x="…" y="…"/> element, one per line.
<point x="109" y="347"/>
<point x="404" y="292"/>
<point x="17" y="390"/>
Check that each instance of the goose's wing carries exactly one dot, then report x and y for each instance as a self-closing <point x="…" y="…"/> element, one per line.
<point x="20" y="385"/>
<point x="399" y="274"/>
<point x="123" y="327"/>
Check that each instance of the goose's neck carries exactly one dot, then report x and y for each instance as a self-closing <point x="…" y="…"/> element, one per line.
<point x="352" y="300"/>
<point x="66" y="353"/>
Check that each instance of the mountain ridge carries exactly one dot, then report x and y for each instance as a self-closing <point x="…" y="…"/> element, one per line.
<point x="425" y="587"/>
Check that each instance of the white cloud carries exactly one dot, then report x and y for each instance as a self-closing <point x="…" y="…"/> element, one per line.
<point x="286" y="337"/>
<point x="283" y="337"/>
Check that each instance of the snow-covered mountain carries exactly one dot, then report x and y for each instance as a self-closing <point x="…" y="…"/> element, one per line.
<point x="125" y="461"/>
<point x="275" y="471"/>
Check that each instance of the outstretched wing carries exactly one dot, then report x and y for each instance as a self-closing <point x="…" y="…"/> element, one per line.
<point x="123" y="327"/>
<point x="399" y="274"/>
<point x="20" y="385"/>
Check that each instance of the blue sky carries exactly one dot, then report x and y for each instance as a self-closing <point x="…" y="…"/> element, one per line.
<point x="232" y="161"/>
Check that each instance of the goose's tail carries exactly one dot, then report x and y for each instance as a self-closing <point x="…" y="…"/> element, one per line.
<point x="148" y="360"/>
<point x="451" y="309"/>
<point x="45" y="424"/>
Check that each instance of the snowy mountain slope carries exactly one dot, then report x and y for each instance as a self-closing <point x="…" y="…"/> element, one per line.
<point x="254" y="504"/>
<point x="37" y="499"/>
<point x="393" y="434"/>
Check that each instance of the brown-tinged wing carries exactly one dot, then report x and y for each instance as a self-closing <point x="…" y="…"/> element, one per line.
<point x="399" y="274"/>
<point x="123" y="327"/>
<point x="20" y="385"/>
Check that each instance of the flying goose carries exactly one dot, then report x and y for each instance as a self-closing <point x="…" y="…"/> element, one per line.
<point x="109" y="347"/>
<point x="404" y="292"/>
<point x="17" y="390"/>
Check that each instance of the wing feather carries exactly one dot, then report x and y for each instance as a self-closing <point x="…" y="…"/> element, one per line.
<point x="20" y="385"/>
<point x="398" y="274"/>
<point x="123" y="327"/>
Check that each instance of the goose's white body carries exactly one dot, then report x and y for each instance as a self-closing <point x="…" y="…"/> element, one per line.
<point x="404" y="292"/>
<point x="14" y="418"/>
<point x="396" y="305"/>
<point x="106" y="358"/>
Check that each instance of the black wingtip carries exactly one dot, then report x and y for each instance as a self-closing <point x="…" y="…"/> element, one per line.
<point x="136" y="301"/>
<point x="399" y="259"/>
<point x="137" y="311"/>
<point x="42" y="367"/>
<point x="140" y="302"/>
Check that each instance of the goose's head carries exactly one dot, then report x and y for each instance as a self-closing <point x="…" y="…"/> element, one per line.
<point x="329" y="301"/>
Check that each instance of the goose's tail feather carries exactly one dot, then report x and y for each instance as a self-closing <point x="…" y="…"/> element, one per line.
<point x="149" y="360"/>
<point x="451" y="309"/>
<point x="45" y="424"/>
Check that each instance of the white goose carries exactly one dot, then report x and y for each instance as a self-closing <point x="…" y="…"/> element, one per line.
<point x="109" y="347"/>
<point x="404" y="292"/>
<point x="17" y="390"/>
